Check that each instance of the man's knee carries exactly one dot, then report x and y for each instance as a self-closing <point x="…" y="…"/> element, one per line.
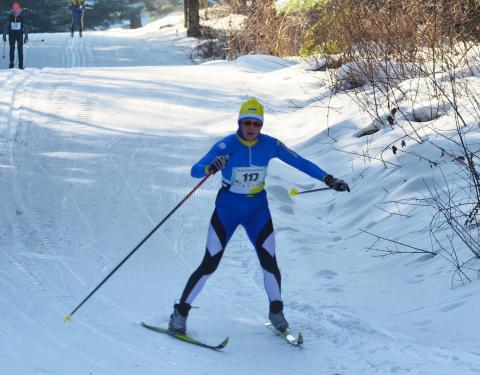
<point x="210" y="263"/>
<point x="266" y="239"/>
<point x="268" y="262"/>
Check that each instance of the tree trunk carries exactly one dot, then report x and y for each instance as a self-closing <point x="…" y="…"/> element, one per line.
<point x="185" y="13"/>
<point x="135" y="18"/>
<point x="135" y="21"/>
<point x="193" y="19"/>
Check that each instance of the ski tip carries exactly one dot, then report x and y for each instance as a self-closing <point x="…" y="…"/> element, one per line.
<point x="300" y="339"/>
<point x="68" y="318"/>
<point x="224" y="343"/>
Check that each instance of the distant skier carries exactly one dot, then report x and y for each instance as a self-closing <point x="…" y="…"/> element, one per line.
<point x="17" y="33"/>
<point x="78" y="8"/>
<point x="243" y="159"/>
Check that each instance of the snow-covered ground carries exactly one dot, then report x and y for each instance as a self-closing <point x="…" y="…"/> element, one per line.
<point x="97" y="137"/>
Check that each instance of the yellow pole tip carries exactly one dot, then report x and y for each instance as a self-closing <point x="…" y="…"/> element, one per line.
<point x="293" y="192"/>
<point x="68" y="318"/>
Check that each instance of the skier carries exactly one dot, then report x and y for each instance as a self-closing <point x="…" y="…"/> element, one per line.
<point x="243" y="159"/>
<point x="17" y="33"/>
<point x="78" y="8"/>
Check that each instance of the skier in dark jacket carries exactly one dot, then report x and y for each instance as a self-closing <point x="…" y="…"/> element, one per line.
<point x="243" y="159"/>
<point x="17" y="33"/>
<point x="78" y="8"/>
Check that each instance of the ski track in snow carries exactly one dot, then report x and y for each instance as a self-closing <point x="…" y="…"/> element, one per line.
<point x="93" y="158"/>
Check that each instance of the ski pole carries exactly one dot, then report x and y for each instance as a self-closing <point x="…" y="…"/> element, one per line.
<point x="294" y="192"/>
<point x="69" y="316"/>
<point x="3" y="55"/>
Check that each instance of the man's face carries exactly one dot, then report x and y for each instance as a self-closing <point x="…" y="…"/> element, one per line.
<point x="251" y="129"/>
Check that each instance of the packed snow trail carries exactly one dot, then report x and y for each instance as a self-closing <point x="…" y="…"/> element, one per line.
<point x="156" y="44"/>
<point x="92" y="158"/>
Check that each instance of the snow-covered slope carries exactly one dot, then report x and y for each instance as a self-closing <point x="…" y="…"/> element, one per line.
<point x="96" y="147"/>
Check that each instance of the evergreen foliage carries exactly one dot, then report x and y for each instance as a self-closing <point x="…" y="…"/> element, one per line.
<point x="106" y="12"/>
<point x="55" y="15"/>
<point x="41" y="15"/>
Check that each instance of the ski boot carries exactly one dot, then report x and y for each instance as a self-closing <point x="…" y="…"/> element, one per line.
<point x="20" y="66"/>
<point x="276" y="316"/>
<point x="178" y="319"/>
<point x="10" y="66"/>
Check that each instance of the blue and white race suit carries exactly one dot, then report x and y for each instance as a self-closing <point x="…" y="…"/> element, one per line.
<point x="242" y="200"/>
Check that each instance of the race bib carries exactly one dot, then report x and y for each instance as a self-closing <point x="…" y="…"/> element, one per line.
<point x="15" y="26"/>
<point x="248" y="180"/>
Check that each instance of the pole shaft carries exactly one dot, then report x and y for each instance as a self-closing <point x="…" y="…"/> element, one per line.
<point x="311" y="191"/>
<point x="140" y="244"/>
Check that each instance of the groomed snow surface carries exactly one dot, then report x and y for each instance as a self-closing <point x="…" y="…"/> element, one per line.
<point x="97" y="137"/>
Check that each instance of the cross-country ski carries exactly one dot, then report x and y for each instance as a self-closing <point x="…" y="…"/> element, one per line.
<point x="186" y="338"/>
<point x="291" y="339"/>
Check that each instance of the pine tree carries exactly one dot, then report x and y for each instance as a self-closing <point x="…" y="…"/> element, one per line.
<point x="41" y="15"/>
<point x="55" y="15"/>
<point x="106" y="12"/>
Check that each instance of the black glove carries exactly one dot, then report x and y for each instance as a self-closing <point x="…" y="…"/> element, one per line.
<point x="217" y="164"/>
<point x="335" y="183"/>
<point x="4" y="38"/>
<point x="25" y="39"/>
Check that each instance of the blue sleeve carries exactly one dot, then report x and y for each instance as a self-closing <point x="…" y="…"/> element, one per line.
<point x="199" y="169"/>
<point x="296" y="161"/>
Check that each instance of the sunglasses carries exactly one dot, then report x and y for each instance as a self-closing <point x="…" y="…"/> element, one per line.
<point x="256" y="124"/>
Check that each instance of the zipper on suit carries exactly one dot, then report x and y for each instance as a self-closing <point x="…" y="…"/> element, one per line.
<point x="250" y="153"/>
